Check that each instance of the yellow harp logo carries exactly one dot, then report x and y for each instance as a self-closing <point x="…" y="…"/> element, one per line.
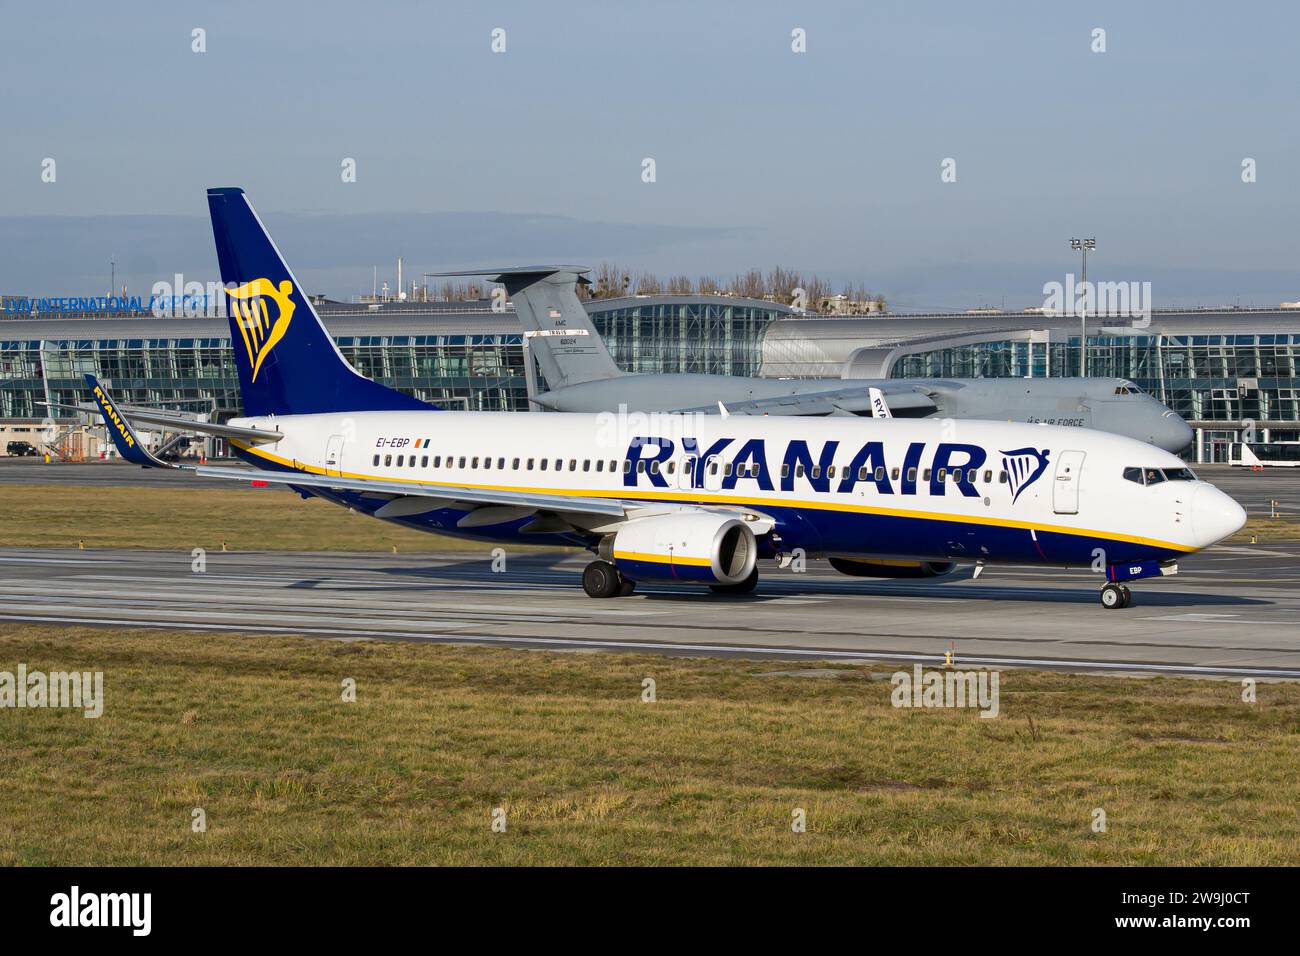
<point x="260" y="330"/>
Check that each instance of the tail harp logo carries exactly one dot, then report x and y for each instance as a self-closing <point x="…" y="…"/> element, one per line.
<point x="260" y="331"/>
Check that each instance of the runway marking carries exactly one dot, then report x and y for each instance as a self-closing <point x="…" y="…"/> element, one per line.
<point x="1197" y="618"/>
<point x="737" y="650"/>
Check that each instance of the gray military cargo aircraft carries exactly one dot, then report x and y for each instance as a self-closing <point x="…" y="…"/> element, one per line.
<point x="581" y="376"/>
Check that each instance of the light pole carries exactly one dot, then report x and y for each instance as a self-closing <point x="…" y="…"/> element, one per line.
<point x="1083" y="245"/>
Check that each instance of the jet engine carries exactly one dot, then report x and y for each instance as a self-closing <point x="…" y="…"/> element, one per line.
<point x="688" y="546"/>
<point x="881" y="568"/>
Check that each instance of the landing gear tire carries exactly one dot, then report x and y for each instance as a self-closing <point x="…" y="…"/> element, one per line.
<point x="1115" y="596"/>
<point x="601" y="579"/>
<point x="625" y="587"/>
<point x="1128" y="595"/>
<point x="743" y="587"/>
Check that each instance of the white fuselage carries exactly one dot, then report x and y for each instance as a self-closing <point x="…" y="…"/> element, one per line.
<point x="969" y="490"/>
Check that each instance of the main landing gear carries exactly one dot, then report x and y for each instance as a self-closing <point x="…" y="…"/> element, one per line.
<point x="601" y="579"/>
<point x="1115" y="596"/>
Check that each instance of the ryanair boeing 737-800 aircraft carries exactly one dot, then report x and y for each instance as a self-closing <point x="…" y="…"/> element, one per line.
<point x="690" y="499"/>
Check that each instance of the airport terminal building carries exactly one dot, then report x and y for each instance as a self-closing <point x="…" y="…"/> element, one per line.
<point x="1222" y="370"/>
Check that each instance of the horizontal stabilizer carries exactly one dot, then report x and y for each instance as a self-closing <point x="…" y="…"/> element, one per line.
<point x="158" y="419"/>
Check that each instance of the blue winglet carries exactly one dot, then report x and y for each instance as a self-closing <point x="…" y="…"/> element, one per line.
<point x="124" y="437"/>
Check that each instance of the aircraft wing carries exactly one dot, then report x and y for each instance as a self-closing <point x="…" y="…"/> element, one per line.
<point x="533" y="501"/>
<point x="551" y="511"/>
<point x="851" y="400"/>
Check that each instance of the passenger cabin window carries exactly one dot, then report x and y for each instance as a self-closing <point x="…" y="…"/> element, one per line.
<point x="880" y="473"/>
<point x="376" y="460"/>
<point x="501" y="463"/>
<point x="388" y="460"/>
<point x="514" y="464"/>
<point x="462" y="461"/>
<point x="543" y="463"/>
<point x="530" y="464"/>
<point x="399" y="460"/>
<point x="424" y="461"/>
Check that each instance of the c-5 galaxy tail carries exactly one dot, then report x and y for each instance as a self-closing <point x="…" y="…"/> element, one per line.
<point x="554" y="322"/>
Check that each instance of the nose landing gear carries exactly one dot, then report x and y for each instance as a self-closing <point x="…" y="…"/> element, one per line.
<point x="1115" y="596"/>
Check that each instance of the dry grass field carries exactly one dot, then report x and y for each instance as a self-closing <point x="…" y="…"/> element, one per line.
<point x="167" y="517"/>
<point x="254" y="731"/>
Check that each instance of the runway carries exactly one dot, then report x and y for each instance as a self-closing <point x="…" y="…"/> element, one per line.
<point x="1232" y="612"/>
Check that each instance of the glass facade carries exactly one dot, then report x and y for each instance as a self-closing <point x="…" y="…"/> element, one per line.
<point x="477" y="372"/>
<point x="719" y="337"/>
<point x="1216" y="382"/>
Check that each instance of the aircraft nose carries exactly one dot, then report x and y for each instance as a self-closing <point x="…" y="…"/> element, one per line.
<point x="1172" y="433"/>
<point x="1214" y="516"/>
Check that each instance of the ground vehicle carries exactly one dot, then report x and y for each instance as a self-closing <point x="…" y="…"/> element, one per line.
<point x="1283" y="454"/>
<point x="21" y="449"/>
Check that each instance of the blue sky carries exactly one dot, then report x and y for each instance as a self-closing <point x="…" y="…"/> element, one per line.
<point x="827" y="161"/>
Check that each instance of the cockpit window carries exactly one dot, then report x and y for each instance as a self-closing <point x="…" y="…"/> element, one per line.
<point x="1153" y="476"/>
<point x="1127" y="388"/>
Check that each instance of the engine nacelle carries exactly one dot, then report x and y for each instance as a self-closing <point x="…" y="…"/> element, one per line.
<point x="689" y="546"/>
<point x="881" y="568"/>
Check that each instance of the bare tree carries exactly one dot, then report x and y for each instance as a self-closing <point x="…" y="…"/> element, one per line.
<point x="647" y="284"/>
<point x="707" y="285"/>
<point x="750" y="285"/>
<point x="610" y="282"/>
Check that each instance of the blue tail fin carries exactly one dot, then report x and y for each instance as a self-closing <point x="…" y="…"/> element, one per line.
<point x="288" y="364"/>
